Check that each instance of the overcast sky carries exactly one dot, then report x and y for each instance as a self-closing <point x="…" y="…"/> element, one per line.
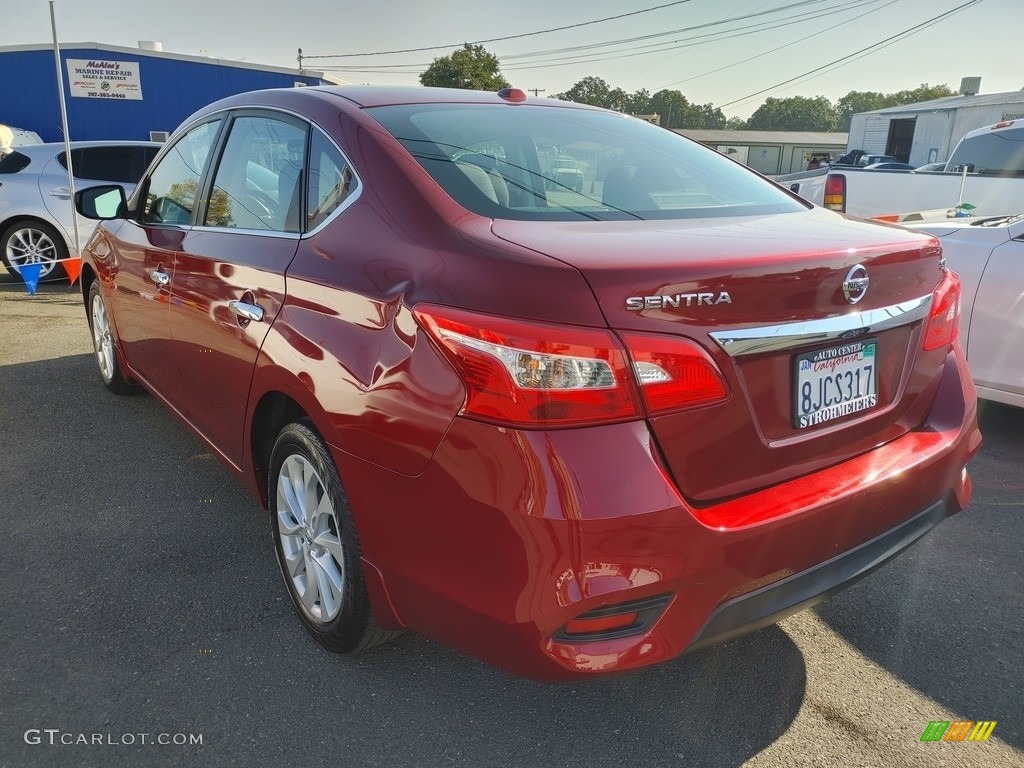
<point x="721" y="51"/>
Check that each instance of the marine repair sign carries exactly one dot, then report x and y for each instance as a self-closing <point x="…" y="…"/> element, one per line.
<point x="102" y="79"/>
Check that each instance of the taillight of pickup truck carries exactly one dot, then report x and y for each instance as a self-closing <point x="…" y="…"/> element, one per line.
<point x="835" y="192"/>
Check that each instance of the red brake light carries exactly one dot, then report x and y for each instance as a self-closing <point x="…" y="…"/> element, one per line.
<point x="835" y="192"/>
<point x="526" y="374"/>
<point x="673" y="373"/>
<point x="943" y="326"/>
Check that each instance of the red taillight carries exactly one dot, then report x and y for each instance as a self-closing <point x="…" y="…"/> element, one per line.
<point x="673" y="373"/>
<point x="944" y="318"/>
<point x="525" y="374"/>
<point x="522" y="373"/>
<point x="835" y="192"/>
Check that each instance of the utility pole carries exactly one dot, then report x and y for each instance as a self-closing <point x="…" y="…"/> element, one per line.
<point x="300" y="60"/>
<point x="536" y="91"/>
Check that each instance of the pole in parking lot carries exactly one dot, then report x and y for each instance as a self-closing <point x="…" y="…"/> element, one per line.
<point x="64" y="123"/>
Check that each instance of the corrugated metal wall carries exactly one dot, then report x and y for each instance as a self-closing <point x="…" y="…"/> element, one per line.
<point x="172" y="89"/>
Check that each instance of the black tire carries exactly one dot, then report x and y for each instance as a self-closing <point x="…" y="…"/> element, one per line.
<point x="111" y="374"/>
<point x="325" y="543"/>
<point x="21" y="237"/>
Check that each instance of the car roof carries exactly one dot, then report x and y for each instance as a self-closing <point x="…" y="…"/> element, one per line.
<point x="388" y="95"/>
<point x="369" y="96"/>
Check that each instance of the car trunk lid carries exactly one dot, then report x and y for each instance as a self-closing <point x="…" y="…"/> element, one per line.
<point x="765" y="297"/>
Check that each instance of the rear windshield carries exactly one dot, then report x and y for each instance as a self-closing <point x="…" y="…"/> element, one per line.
<point x="1000" y="153"/>
<point x="13" y="162"/>
<point x="553" y="164"/>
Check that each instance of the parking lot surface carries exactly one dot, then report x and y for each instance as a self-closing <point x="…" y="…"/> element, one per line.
<point x="141" y="599"/>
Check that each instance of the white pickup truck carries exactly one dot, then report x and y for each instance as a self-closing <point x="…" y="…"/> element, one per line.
<point x="984" y="176"/>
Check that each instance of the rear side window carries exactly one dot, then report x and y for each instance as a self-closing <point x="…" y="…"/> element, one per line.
<point x="123" y="165"/>
<point x="331" y="180"/>
<point x="13" y="162"/>
<point x="545" y="163"/>
<point x="1000" y="153"/>
<point x="104" y="164"/>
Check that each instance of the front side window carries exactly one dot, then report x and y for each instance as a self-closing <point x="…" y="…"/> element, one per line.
<point x="173" y="186"/>
<point x="331" y="180"/>
<point x="258" y="181"/>
<point x="556" y="164"/>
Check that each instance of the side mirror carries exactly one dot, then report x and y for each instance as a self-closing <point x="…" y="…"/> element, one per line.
<point x="101" y="203"/>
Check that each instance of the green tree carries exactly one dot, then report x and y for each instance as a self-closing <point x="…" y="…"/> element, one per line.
<point x="673" y="108"/>
<point x="471" y="67"/>
<point x="706" y="116"/>
<point x="796" y="113"/>
<point x="590" y="90"/>
<point x="736" y="124"/>
<point x="857" y="101"/>
<point x="923" y="92"/>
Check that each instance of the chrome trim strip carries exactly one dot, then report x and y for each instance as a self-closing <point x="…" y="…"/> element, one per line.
<point x="773" y="338"/>
<point x="275" y="233"/>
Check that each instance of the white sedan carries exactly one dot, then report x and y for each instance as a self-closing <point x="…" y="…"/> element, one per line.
<point x="35" y="198"/>
<point x="988" y="254"/>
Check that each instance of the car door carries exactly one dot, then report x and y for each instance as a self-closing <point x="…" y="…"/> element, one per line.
<point x="229" y="276"/>
<point x="997" y="323"/>
<point x="142" y="254"/>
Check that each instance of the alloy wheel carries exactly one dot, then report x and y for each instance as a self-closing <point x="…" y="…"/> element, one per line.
<point x="29" y="245"/>
<point x="101" y="338"/>
<point x="310" y="539"/>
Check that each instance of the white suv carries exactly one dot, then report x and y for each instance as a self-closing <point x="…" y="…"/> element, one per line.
<point x="35" y="200"/>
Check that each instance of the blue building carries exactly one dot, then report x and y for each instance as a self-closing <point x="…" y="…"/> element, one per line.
<point x="123" y="93"/>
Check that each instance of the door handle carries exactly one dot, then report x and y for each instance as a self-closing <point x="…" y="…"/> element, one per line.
<point x="60" y="192"/>
<point x="247" y="311"/>
<point x="159" y="277"/>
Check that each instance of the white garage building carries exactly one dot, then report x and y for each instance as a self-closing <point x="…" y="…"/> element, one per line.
<point x="928" y="132"/>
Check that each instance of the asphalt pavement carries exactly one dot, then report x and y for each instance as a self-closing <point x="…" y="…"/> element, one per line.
<point x="141" y="604"/>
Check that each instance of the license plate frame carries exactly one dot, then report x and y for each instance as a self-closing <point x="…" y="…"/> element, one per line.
<point x="832" y="382"/>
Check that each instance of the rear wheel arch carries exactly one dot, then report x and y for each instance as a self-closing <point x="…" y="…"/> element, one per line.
<point x="281" y="400"/>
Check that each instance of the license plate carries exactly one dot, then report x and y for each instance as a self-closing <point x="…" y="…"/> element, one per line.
<point x="835" y="382"/>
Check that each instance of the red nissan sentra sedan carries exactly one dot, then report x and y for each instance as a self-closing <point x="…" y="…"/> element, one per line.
<point x="566" y="428"/>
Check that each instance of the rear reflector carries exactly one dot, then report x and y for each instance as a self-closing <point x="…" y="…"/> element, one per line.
<point x="585" y="626"/>
<point x="943" y="326"/>
<point x="614" y="621"/>
<point x="835" y="192"/>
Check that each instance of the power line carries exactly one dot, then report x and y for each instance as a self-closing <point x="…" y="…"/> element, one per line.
<point x="781" y="47"/>
<point x="863" y="51"/>
<point x="761" y="26"/>
<point x="499" y="39"/>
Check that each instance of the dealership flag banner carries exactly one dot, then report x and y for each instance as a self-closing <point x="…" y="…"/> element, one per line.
<point x="30" y="274"/>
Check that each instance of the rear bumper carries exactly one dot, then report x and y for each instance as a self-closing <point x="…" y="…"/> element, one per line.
<point x="508" y="535"/>
<point x="774" y="602"/>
